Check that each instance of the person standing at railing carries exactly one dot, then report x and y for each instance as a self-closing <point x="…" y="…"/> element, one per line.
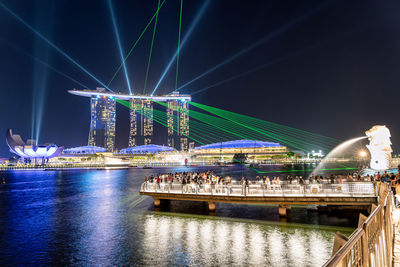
<point x="145" y="183"/>
<point x="158" y="182"/>
<point x="393" y="183"/>
<point x="183" y="185"/>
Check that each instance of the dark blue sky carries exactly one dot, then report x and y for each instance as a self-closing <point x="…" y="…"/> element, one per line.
<point x="331" y="67"/>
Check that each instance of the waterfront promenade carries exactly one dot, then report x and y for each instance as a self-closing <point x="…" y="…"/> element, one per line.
<point x="283" y="194"/>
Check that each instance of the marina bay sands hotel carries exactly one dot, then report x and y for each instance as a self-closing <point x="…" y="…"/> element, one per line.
<point x="103" y="111"/>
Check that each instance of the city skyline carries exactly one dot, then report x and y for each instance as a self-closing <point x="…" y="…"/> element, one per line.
<point x="267" y="66"/>
<point x="199" y="133"/>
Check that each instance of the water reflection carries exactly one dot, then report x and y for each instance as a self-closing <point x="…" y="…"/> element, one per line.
<point x="213" y="242"/>
<point x="99" y="218"/>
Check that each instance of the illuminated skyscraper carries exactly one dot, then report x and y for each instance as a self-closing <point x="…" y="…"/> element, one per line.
<point x="144" y="110"/>
<point x="102" y="121"/>
<point x="183" y="124"/>
<point x="141" y="130"/>
<point x="133" y="125"/>
<point x="147" y="121"/>
<point x="178" y="124"/>
<point x="171" y="110"/>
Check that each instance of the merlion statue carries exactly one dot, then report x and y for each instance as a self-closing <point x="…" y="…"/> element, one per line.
<point x="379" y="147"/>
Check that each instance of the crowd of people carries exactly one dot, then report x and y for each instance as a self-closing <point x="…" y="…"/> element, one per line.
<point x="206" y="181"/>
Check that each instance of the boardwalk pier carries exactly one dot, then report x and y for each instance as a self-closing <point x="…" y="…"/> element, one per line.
<point x="284" y="195"/>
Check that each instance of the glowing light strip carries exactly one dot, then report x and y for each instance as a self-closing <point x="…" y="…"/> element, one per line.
<point x="90" y="93"/>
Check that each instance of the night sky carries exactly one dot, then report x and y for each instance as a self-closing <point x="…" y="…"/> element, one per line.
<point x="329" y="67"/>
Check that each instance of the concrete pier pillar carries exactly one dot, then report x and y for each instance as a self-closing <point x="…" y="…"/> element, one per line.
<point x="282" y="210"/>
<point x="211" y="206"/>
<point x="157" y="202"/>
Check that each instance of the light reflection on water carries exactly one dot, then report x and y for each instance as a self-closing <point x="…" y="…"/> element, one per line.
<point x="99" y="218"/>
<point x="210" y="242"/>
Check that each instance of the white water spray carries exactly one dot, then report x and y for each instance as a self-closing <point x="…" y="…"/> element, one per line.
<point x="336" y="151"/>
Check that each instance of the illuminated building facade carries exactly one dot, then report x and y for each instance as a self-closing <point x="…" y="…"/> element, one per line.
<point x="178" y="124"/>
<point x="147" y="121"/>
<point x="133" y="122"/>
<point x="171" y="109"/>
<point x="141" y="117"/>
<point x="183" y="124"/>
<point x="242" y="146"/>
<point x="30" y="151"/>
<point x="102" y="121"/>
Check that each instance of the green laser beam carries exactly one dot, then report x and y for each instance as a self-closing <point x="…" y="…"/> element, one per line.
<point x="134" y="45"/>
<point x="274" y="136"/>
<point x="126" y="104"/>
<point x="179" y="44"/>
<point x="151" y="49"/>
<point x="304" y="170"/>
<point x="245" y="117"/>
<point x="287" y="138"/>
<point x="221" y="124"/>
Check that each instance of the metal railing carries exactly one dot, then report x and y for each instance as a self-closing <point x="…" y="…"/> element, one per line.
<point x="357" y="189"/>
<point x="371" y="244"/>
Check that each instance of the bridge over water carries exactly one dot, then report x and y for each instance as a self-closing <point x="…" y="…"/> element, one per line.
<point x="284" y="195"/>
<point x="371" y="244"/>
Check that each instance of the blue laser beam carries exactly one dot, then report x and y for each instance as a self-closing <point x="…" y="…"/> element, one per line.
<point x="53" y="45"/>
<point x="184" y="40"/>
<point x="263" y="40"/>
<point x="114" y="22"/>
<point x="20" y="50"/>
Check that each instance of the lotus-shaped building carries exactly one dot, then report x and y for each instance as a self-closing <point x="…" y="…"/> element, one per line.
<point x="30" y="150"/>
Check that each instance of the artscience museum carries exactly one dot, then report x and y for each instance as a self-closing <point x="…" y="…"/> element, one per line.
<point x="30" y="150"/>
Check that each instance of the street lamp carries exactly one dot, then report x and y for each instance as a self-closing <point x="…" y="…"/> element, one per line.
<point x="362" y="154"/>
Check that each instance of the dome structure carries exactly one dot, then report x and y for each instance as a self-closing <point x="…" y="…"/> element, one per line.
<point x="84" y="150"/>
<point x="146" y="149"/>
<point x="30" y="150"/>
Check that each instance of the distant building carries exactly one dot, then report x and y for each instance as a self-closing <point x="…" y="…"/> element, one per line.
<point x="242" y="146"/>
<point x="147" y="121"/>
<point x="84" y="150"/>
<point x="145" y="149"/>
<point x="102" y="121"/>
<point x="141" y="122"/>
<point x="141" y="128"/>
<point x="31" y="151"/>
<point x="178" y="123"/>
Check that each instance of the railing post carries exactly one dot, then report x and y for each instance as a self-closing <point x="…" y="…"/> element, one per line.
<point x="364" y="246"/>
